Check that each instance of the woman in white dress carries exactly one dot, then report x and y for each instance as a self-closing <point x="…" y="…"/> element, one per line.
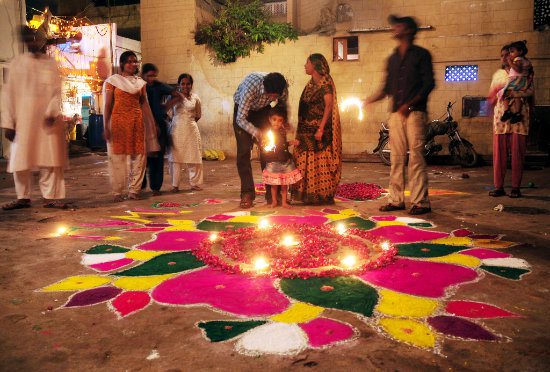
<point x="186" y="146"/>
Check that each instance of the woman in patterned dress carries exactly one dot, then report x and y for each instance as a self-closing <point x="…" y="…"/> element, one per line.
<point x="319" y="154"/>
<point x="186" y="146"/>
<point x="129" y="128"/>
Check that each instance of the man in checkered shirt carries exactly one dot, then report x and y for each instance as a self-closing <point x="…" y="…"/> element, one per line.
<point x="253" y="99"/>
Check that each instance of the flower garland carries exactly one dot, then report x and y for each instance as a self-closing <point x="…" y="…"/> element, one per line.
<point x="359" y="191"/>
<point x="295" y="251"/>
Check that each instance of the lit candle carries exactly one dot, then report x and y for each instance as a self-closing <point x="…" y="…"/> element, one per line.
<point x="341" y="228"/>
<point x="261" y="264"/>
<point x="289" y="241"/>
<point x="263" y="224"/>
<point x="270" y="142"/>
<point x="385" y="245"/>
<point x="61" y="230"/>
<point x="213" y="237"/>
<point x="349" y="261"/>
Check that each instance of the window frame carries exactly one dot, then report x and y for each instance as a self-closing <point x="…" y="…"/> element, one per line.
<point x="345" y="42"/>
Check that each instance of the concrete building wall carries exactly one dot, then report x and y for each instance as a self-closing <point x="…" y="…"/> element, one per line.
<point x="465" y="32"/>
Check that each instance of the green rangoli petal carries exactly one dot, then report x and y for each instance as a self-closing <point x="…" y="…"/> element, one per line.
<point x="428" y="249"/>
<point x="164" y="264"/>
<point x="344" y="293"/>
<point x="356" y="223"/>
<point x="506" y="272"/>
<point x="106" y="248"/>
<point x="421" y="224"/>
<point x="221" y="226"/>
<point x="220" y="330"/>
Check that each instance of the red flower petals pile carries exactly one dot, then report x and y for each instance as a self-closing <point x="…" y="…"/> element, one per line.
<point x="295" y="251"/>
<point x="359" y="191"/>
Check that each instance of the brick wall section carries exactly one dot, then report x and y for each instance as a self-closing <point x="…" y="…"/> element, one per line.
<point x="466" y="32"/>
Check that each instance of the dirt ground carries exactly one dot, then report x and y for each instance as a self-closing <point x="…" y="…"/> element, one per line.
<point x="35" y="338"/>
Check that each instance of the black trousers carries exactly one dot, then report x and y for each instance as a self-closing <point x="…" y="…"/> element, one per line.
<point x="155" y="172"/>
<point x="245" y="142"/>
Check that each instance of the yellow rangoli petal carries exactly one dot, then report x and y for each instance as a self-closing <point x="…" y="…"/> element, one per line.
<point x="181" y="225"/>
<point x="76" y="283"/>
<point x="389" y="223"/>
<point x="457" y="258"/>
<point x="112" y="238"/>
<point x="454" y="240"/>
<point x="141" y="283"/>
<point x="142" y="255"/>
<point x="247" y="219"/>
<point x="409" y="331"/>
<point x="298" y="313"/>
<point x="490" y="243"/>
<point x="399" y="304"/>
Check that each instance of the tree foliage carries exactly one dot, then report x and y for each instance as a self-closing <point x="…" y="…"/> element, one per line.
<point x="240" y="28"/>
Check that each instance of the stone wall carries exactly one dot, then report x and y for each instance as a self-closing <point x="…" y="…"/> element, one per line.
<point x="465" y="32"/>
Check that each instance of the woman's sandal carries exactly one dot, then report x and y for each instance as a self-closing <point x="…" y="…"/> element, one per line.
<point x="497" y="192"/>
<point x="515" y="193"/>
<point x="17" y="204"/>
<point x="133" y="196"/>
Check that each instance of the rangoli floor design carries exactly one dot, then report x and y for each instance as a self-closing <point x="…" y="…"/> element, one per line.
<point x="409" y="300"/>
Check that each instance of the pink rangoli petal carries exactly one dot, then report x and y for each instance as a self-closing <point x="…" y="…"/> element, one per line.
<point x="237" y="294"/>
<point x="145" y="229"/>
<point x="112" y="265"/>
<point x="109" y="223"/>
<point x="309" y="220"/>
<point x="384" y="218"/>
<point x="174" y="241"/>
<point x="130" y="302"/>
<point x="406" y="234"/>
<point x="419" y="278"/>
<point x="483" y="253"/>
<point x="323" y="331"/>
<point x="471" y="309"/>
<point x="220" y="217"/>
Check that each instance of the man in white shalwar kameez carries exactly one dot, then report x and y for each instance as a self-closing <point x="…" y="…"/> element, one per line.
<point x="31" y="118"/>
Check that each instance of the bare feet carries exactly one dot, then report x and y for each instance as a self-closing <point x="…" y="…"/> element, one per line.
<point x="174" y="190"/>
<point x="274" y="205"/>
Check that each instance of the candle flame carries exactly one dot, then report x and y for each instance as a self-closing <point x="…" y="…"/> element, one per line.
<point x="261" y="264"/>
<point x="353" y="101"/>
<point x="349" y="261"/>
<point x="385" y="245"/>
<point x="270" y="142"/>
<point x="60" y="231"/>
<point x="341" y="228"/>
<point x="263" y="224"/>
<point x="213" y="237"/>
<point x="289" y="241"/>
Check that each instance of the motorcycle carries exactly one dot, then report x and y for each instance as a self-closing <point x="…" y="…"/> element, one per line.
<point x="462" y="152"/>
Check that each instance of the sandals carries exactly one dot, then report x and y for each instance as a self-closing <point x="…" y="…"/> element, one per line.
<point x="497" y="192"/>
<point x="515" y="193"/>
<point x="17" y="204"/>
<point x="246" y="202"/>
<point x="391" y="207"/>
<point x="196" y="188"/>
<point x="55" y="204"/>
<point x="174" y="190"/>
<point x="416" y="210"/>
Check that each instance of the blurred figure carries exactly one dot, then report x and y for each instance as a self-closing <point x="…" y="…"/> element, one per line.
<point x="156" y="92"/>
<point x="409" y="81"/>
<point x="31" y="117"/>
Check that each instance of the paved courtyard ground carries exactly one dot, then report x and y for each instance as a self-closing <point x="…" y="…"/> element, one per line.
<point x="482" y="306"/>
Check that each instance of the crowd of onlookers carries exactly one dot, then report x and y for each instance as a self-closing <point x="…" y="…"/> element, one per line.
<point x="146" y="122"/>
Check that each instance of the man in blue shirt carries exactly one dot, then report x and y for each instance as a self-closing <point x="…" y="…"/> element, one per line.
<point x="253" y="99"/>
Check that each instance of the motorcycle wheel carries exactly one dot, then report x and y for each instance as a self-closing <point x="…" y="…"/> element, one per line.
<point x="463" y="153"/>
<point x="384" y="152"/>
